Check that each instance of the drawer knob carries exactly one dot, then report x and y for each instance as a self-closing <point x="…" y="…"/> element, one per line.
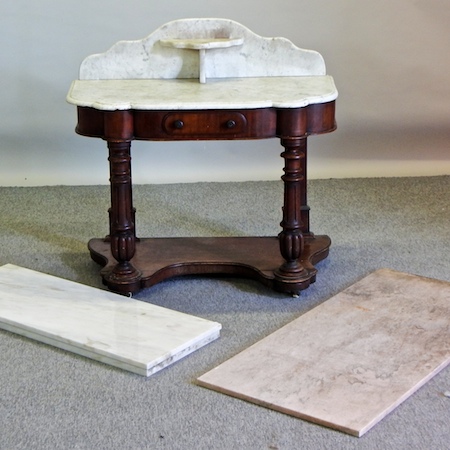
<point x="178" y="124"/>
<point x="231" y="124"/>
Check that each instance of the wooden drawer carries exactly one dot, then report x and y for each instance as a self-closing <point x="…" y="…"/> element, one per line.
<point x="204" y="125"/>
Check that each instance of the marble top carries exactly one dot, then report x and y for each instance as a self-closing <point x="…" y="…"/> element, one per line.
<point x="229" y="93"/>
<point x="170" y="69"/>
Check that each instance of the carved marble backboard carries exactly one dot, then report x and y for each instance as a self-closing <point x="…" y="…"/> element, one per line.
<point x="202" y="48"/>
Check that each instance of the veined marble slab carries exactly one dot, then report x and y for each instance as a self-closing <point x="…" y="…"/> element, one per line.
<point x="161" y="71"/>
<point x="230" y="93"/>
<point x="148" y="58"/>
<point x="350" y="361"/>
<point x="116" y="330"/>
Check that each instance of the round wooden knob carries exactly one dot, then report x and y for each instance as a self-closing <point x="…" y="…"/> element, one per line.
<point x="178" y="124"/>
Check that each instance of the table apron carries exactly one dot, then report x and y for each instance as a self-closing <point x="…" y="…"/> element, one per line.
<point x="262" y="123"/>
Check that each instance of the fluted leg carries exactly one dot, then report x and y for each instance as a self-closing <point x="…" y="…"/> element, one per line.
<point x="291" y="238"/>
<point x="122" y="228"/>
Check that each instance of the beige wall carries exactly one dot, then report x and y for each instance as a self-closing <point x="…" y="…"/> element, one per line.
<point x="389" y="60"/>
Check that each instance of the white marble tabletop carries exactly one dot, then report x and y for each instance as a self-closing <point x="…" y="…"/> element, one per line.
<point x="220" y="93"/>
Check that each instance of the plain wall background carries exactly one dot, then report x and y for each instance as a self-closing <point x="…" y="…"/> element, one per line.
<point x="390" y="61"/>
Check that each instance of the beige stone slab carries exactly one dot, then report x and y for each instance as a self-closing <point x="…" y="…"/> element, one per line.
<point x="350" y="361"/>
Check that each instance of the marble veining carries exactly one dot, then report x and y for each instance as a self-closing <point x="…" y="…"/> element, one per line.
<point x="126" y="333"/>
<point x="235" y="93"/>
<point x="237" y="69"/>
<point x="350" y="361"/>
<point x="149" y="58"/>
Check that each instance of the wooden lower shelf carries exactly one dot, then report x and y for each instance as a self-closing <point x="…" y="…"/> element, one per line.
<point x="258" y="258"/>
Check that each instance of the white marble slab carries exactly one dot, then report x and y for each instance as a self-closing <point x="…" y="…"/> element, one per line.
<point x="236" y="93"/>
<point x="116" y="330"/>
<point x="350" y="361"/>
<point x="148" y="58"/>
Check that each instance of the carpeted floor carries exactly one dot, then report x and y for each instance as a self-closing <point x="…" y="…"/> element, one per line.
<point x="52" y="399"/>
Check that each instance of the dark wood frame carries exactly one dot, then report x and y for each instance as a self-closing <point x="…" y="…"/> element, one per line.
<point x="284" y="262"/>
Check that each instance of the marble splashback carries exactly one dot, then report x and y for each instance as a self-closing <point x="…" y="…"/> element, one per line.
<point x="107" y="327"/>
<point x="149" y="58"/>
<point x="350" y="361"/>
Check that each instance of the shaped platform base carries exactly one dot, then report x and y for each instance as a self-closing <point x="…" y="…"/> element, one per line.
<point x="350" y="361"/>
<point x="116" y="330"/>
<point x="249" y="257"/>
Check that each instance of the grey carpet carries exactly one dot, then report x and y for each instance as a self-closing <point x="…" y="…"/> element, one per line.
<point x="52" y="399"/>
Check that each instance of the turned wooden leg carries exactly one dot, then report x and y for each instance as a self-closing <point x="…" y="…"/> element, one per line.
<point x="124" y="277"/>
<point x="292" y="274"/>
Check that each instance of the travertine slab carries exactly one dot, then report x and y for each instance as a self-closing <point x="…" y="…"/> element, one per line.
<point x="126" y="333"/>
<point x="350" y="361"/>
